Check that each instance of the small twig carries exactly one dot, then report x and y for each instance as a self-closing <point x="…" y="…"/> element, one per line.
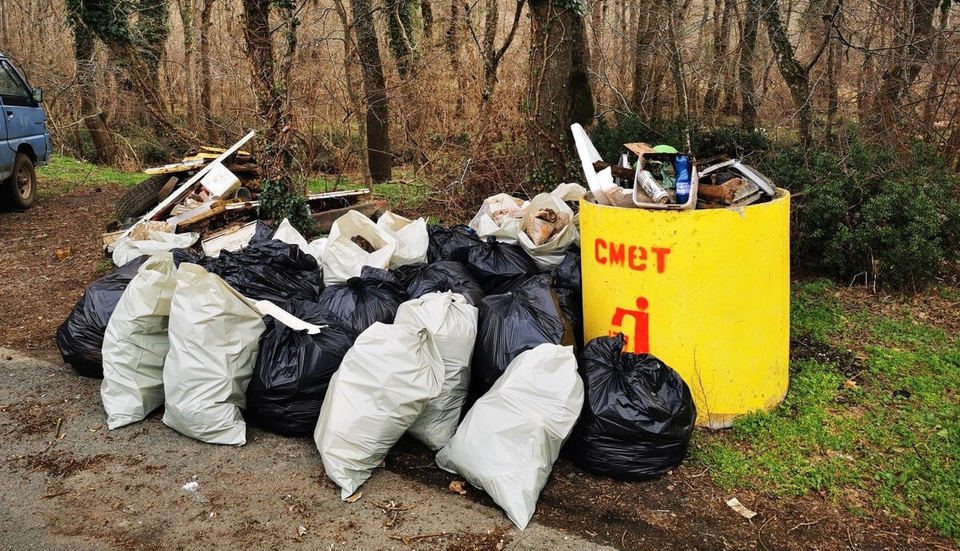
<point x="850" y="539"/>
<point x="48" y="496"/>
<point x="760" y="533"/>
<point x="802" y="524"/>
<point x="56" y="433"/>
<point x="408" y="539"/>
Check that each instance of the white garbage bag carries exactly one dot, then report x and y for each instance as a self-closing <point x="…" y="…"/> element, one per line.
<point x="342" y="258"/>
<point x="135" y="344"/>
<point x="452" y="322"/>
<point x="127" y="249"/>
<point x="546" y="241"/>
<point x="510" y="438"/>
<point x="214" y="340"/>
<point x="382" y="386"/>
<point x="499" y="216"/>
<point x="411" y="236"/>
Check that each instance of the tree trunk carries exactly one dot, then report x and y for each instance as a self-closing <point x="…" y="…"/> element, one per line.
<point x="748" y="85"/>
<point x="491" y="54"/>
<point x="426" y="12"/>
<point x="189" y="47"/>
<point x="206" y="74"/>
<point x="400" y="35"/>
<point x="899" y="77"/>
<point x="104" y="146"/>
<point x="559" y="89"/>
<point x="374" y="92"/>
<point x="452" y="46"/>
<point x="934" y="100"/>
<point x="676" y="67"/>
<point x="349" y="54"/>
<point x="643" y="55"/>
<point x="792" y="72"/>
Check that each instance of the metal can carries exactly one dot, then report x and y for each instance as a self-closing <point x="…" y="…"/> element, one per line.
<point x="651" y="188"/>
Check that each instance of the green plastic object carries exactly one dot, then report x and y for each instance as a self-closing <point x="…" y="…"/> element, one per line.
<point x="665" y="149"/>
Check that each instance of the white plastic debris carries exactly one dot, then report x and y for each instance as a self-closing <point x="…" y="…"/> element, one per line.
<point x="192" y="486"/>
<point x="135" y="344"/>
<point x="382" y="386"/>
<point x="343" y="258"/>
<point x="411" y="236"/>
<point x="735" y="504"/>
<point x="214" y="340"/>
<point x="452" y="322"/>
<point x="499" y="216"/>
<point x="510" y="438"/>
<point x="605" y="190"/>
<point x="126" y="249"/>
<point x="547" y="253"/>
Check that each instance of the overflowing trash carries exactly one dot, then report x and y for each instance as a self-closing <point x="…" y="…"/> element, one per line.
<point x="464" y="337"/>
<point x="638" y="414"/>
<point x="663" y="178"/>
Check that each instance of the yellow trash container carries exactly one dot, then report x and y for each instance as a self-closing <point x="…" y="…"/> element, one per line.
<point x="706" y="291"/>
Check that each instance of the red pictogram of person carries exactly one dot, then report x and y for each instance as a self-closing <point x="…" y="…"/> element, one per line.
<point x="640" y="341"/>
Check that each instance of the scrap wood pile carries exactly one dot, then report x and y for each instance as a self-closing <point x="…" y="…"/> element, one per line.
<point x="209" y="198"/>
<point x="463" y="337"/>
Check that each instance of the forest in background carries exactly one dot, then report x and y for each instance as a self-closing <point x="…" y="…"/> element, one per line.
<point x="853" y="99"/>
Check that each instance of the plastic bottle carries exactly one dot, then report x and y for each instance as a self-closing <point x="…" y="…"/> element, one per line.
<point x="682" y="165"/>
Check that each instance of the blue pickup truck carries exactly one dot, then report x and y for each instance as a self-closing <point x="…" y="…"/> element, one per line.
<point x="24" y="138"/>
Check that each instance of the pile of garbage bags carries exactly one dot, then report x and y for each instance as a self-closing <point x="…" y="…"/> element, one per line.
<point x="465" y="338"/>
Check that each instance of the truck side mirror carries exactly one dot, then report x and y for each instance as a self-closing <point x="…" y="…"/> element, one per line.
<point x="37" y="94"/>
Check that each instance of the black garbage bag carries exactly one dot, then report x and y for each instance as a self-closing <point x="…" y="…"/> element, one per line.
<point x="499" y="266"/>
<point x="638" y="414"/>
<point x="262" y="232"/>
<point x="362" y="301"/>
<point x="571" y="304"/>
<point x="567" y="274"/>
<point x="450" y="243"/>
<point x="294" y="369"/>
<point x="568" y="285"/>
<point x="512" y="323"/>
<point x="80" y="337"/>
<point x="441" y="276"/>
<point x="270" y="270"/>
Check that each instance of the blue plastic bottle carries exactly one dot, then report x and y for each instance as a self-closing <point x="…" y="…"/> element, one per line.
<point x="682" y="165"/>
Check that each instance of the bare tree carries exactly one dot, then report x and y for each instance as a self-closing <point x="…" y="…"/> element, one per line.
<point x="94" y="118"/>
<point x="748" y="48"/>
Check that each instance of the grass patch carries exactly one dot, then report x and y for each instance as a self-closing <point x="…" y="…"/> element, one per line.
<point x="64" y="174"/>
<point x="871" y="420"/>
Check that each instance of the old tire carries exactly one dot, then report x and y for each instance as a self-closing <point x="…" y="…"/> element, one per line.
<point x="142" y="197"/>
<point x="20" y="188"/>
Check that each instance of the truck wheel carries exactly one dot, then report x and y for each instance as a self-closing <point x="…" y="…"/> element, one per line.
<point x="21" y="187"/>
<point x="142" y="197"/>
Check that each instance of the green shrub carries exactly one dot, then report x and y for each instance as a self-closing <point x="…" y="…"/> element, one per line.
<point x="730" y="141"/>
<point x="864" y="211"/>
